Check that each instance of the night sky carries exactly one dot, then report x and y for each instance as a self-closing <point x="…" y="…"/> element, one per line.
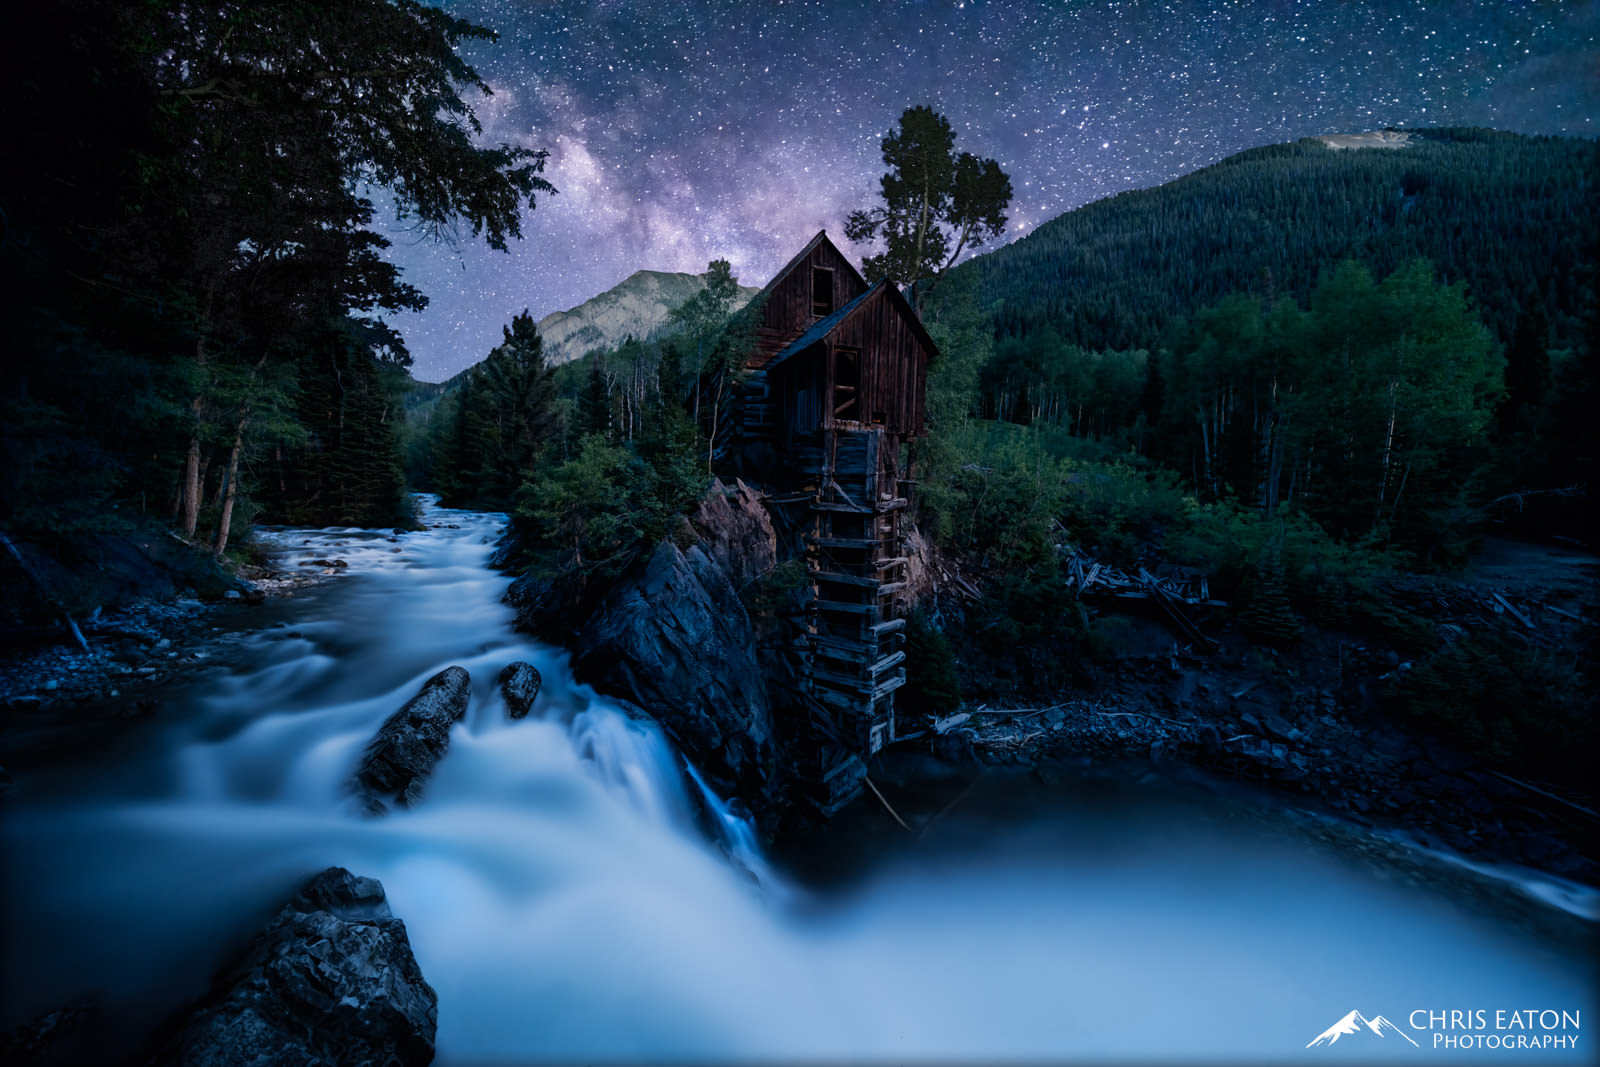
<point x="689" y="130"/>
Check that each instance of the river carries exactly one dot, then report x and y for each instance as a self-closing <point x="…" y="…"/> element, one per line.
<point x="565" y="902"/>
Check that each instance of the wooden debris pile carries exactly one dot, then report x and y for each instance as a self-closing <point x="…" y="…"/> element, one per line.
<point x="1458" y="610"/>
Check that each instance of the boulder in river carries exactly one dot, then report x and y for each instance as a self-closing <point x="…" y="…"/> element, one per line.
<point x="405" y="748"/>
<point x="519" y="684"/>
<point x="331" y="980"/>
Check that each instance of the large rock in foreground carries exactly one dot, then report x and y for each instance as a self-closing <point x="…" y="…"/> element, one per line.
<point x="331" y="981"/>
<point x="411" y="741"/>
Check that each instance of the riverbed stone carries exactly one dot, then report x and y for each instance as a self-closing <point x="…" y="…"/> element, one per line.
<point x="403" y="752"/>
<point x="519" y="684"/>
<point x="332" y="980"/>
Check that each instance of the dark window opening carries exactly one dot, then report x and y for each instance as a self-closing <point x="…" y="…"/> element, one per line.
<point x="879" y="418"/>
<point x="847" y="384"/>
<point x="821" y="291"/>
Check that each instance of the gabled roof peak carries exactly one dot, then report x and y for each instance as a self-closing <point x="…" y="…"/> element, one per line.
<point x="804" y="253"/>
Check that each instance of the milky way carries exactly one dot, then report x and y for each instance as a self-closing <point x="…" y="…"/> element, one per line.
<point x="689" y="130"/>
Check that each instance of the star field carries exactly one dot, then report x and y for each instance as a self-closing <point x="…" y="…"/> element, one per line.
<point x="698" y="129"/>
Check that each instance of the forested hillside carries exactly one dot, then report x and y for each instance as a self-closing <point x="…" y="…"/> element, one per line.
<point x="1510" y="215"/>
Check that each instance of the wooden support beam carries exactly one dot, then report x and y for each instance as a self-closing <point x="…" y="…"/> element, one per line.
<point x="851" y="652"/>
<point x="879" y="508"/>
<point x="848" y="702"/>
<point x="842" y="606"/>
<point x="891" y="588"/>
<point x="889" y="627"/>
<point x="845" y="579"/>
<point x="841" y="682"/>
<point x="844" y="542"/>
<point x="892" y="660"/>
<point x="889" y="685"/>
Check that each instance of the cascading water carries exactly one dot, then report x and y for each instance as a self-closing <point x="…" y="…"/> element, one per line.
<point x="562" y="899"/>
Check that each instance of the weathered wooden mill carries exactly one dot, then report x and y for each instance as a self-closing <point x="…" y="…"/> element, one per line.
<point x="832" y="393"/>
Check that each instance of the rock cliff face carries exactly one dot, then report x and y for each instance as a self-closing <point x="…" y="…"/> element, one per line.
<point x="637" y="307"/>
<point x="332" y="980"/>
<point x="674" y="637"/>
<point x="676" y="641"/>
<point x="736" y="532"/>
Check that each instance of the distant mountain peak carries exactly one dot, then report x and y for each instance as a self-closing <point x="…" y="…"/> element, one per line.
<point x="1356" y="1024"/>
<point x="1371" y="139"/>
<point x="636" y="307"/>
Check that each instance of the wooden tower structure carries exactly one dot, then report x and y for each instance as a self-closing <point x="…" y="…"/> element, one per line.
<point x="833" y="393"/>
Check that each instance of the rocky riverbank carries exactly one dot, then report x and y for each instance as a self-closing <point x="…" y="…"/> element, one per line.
<point x="1305" y="732"/>
<point x="54" y="689"/>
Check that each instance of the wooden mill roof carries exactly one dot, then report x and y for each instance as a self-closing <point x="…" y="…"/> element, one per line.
<point x="824" y="326"/>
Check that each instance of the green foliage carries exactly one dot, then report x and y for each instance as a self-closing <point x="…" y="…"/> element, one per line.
<point x="1040" y="379"/>
<point x="1363" y="409"/>
<point x="498" y="425"/>
<point x="1031" y="621"/>
<point x="1499" y="211"/>
<point x="1505" y="701"/>
<point x="580" y="511"/>
<point x="932" y="686"/>
<point x="780" y="587"/>
<point x="633" y="461"/>
<point x="1268" y="617"/>
<point x="936" y="204"/>
<point x="991" y="489"/>
<point x="595" y="513"/>
<point x="203" y="230"/>
<point x="347" y="469"/>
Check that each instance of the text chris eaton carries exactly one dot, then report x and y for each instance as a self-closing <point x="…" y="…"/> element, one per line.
<point x="1529" y="1028"/>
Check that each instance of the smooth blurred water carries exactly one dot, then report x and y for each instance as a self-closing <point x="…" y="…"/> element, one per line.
<point x="562" y="897"/>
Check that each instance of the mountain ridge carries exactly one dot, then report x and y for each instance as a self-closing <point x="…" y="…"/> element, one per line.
<point x="637" y="306"/>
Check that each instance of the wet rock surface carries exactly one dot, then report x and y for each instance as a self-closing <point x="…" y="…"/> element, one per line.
<point x="673" y="636"/>
<point x="519" y="685"/>
<point x="736" y="532"/>
<point x="332" y="980"/>
<point x="675" y="639"/>
<point x="402" y="754"/>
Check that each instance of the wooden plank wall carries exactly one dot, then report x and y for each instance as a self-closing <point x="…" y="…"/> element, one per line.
<point x="894" y="365"/>
<point x="788" y="309"/>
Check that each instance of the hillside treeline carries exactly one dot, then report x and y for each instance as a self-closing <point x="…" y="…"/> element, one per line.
<point x="1512" y="216"/>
